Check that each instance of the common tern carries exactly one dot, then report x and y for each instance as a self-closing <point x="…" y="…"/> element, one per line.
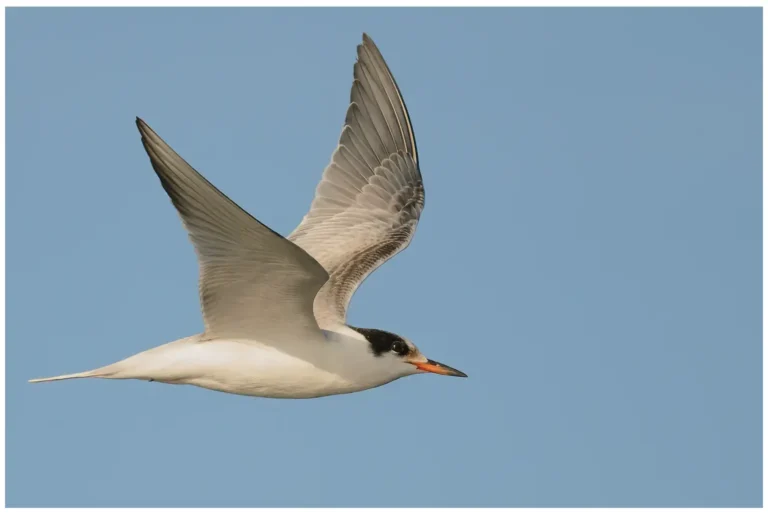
<point x="274" y="308"/>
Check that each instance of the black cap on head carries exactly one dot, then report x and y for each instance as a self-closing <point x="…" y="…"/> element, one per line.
<point x="382" y="342"/>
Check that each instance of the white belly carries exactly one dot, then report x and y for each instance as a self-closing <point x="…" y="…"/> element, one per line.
<point x="249" y="368"/>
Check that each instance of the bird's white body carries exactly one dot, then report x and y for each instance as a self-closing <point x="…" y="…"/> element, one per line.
<point x="339" y="364"/>
<point x="275" y="308"/>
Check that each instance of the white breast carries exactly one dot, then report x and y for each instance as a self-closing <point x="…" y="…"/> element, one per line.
<point x="250" y="368"/>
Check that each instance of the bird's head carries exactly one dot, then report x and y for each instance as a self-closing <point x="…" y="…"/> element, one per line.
<point x="403" y="353"/>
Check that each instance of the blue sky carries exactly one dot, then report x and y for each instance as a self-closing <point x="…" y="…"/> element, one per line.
<point x="590" y="254"/>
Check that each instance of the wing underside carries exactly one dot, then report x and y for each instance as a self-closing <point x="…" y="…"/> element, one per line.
<point x="371" y="195"/>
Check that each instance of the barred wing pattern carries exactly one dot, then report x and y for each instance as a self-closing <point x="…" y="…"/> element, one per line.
<point x="371" y="195"/>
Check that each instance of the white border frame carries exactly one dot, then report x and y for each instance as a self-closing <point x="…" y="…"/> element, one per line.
<point x="350" y="3"/>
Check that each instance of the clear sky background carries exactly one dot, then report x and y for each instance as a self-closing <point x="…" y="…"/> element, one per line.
<point x="590" y="254"/>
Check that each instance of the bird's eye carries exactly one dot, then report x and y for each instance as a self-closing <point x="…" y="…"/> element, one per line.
<point x="400" y="348"/>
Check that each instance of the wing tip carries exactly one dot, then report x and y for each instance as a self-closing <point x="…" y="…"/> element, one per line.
<point x="149" y="137"/>
<point x="144" y="129"/>
<point x="368" y="44"/>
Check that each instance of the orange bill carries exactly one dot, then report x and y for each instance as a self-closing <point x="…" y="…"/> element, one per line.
<point x="438" y="368"/>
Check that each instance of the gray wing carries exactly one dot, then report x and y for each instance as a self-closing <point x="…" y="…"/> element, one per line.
<point x="253" y="282"/>
<point x="371" y="195"/>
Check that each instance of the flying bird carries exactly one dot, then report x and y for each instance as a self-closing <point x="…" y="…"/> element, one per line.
<point x="275" y="308"/>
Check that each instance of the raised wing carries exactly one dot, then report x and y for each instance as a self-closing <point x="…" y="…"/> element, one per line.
<point x="253" y="282"/>
<point x="371" y="195"/>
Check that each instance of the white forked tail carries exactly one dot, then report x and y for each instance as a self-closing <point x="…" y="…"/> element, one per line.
<point x="90" y="373"/>
<point x="149" y="365"/>
<point x="144" y="365"/>
<point x="107" y="372"/>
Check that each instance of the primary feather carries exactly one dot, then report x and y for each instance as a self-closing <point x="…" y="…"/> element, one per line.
<point x="371" y="195"/>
